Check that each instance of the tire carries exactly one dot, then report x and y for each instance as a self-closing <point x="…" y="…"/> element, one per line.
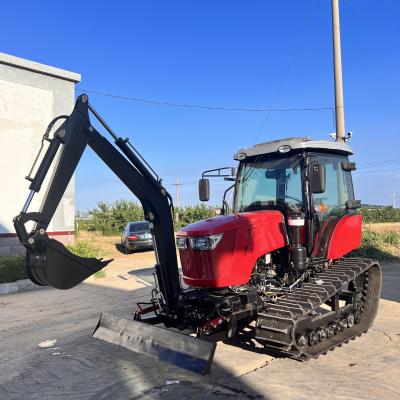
<point x="127" y="250"/>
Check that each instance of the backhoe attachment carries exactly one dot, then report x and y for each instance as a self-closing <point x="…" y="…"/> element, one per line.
<point x="48" y="261"/>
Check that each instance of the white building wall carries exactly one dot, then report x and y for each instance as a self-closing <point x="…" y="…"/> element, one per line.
<point x="31" y="95"/>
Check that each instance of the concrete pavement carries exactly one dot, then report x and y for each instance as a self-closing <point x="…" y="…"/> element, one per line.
<point x="76" y="366"/>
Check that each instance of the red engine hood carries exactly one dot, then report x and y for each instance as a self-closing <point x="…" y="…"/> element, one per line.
<point x="219" y="224"/>
<point x="247" y="236"/>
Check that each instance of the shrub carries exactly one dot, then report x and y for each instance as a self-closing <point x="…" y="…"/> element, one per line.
<point x="85" y="249"/>
<point x="191" y="214"/>
<point x="111" y="219"/>
<point x="12" y="268"/>
<point x="377" y="215"/>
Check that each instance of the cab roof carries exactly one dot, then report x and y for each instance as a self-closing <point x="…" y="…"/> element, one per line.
<point x="295" y="143"/>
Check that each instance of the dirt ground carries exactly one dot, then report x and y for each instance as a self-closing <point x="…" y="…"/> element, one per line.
<point x="110" y="247"/>
<point x="384" y="227"/>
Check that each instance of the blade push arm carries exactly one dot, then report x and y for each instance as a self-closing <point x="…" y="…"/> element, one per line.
<point x="48" y="261"/>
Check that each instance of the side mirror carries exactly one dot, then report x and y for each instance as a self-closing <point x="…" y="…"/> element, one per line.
<point x="317" y="176"/>
<point x="353" y="204"/>
<point x="348" y="166"/>
<point x="204" y="189"/>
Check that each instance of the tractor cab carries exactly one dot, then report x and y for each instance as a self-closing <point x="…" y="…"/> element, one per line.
<point x="309" y="179"/>
<point x="294" y="175"/>
<point x="297" y="175"/>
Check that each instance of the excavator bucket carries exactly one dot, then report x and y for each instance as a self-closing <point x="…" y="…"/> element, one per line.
<point x="54" y="265"/>
<point x="176" y="348"/>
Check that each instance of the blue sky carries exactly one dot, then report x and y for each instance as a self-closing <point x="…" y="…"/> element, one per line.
<point x="225" y="53"/>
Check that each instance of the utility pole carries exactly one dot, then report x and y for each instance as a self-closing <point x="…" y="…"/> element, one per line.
<point x="337" y="61"/>
<point x="177" y="184"/>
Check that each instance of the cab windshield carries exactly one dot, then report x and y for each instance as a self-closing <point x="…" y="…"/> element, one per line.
<point x="269" y="182"/>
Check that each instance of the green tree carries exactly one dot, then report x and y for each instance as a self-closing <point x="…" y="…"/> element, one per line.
<point x="111" y="218"/>
<point x="384" y="214"/>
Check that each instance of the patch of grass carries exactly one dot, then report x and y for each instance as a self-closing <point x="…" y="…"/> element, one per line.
<point x="392" y="238"/>
<point x="12" y="268"/>
<point x="100" y="274"/>
<point x="384" y="246"/>
<point x="85" y="249"/>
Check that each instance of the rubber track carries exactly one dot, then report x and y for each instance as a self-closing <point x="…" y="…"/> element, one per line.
<point x="276" y="326"/>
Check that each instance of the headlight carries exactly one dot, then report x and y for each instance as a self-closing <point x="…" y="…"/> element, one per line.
<point x="205" y="242"/>
<point x="181" y="242"/>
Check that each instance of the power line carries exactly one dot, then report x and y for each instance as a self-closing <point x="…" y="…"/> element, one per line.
<point x="372" y="168"/>
<point x="377" y="170"/>
<point x="285" y="73"/>
<point x="127" y="193"/>
<point x="379" y="162"/>
<point x="202" y="107"/>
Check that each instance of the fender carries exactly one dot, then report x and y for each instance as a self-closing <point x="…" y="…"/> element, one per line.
<point x="345" y="236"/>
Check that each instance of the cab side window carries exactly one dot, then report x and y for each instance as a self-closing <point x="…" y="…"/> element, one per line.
<point x="338" y="188"/>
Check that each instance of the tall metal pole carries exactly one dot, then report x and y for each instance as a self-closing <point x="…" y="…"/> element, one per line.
<point x="177" y="184"/>
<point x="337" y="60"/>
<point x="177" y="192"/>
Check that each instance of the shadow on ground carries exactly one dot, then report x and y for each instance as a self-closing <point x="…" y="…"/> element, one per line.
<point x="390" y="281"/>
<point x="81" y="367"/>
<point x="121" y="248"/>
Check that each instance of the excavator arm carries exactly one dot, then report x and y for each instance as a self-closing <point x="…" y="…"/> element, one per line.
<point x="49" y="262"/>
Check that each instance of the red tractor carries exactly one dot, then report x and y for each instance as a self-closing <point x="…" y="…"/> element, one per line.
<point x="275" y="260"/>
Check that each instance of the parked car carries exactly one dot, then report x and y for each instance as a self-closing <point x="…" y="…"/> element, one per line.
<point x="136" y="236"/>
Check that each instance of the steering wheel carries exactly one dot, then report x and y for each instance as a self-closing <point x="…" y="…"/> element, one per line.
<point x="286" y="196"/>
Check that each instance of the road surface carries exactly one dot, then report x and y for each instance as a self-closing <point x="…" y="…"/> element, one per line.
<point x="47" y="352"/>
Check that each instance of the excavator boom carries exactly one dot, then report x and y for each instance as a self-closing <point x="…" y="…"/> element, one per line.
<point x="48" y="261"/>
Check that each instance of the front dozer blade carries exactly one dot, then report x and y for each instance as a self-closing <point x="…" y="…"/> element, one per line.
<point x="54" y="265"/>
<point x="160" y="343"/>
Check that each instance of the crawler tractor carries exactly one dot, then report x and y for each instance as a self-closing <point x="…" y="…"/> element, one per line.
<point x="275" y="261"/>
